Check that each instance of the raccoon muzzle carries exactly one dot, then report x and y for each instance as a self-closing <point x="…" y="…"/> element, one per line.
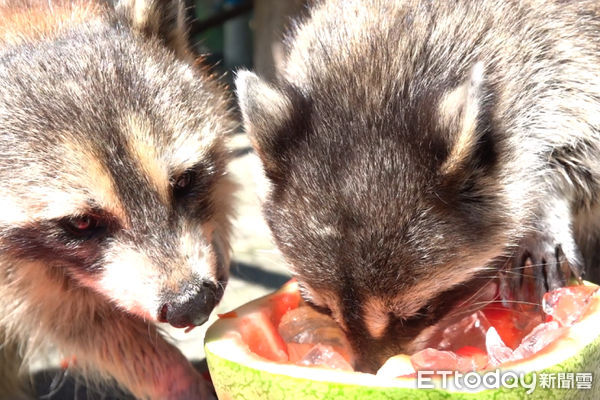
<point x="192" y="305"/>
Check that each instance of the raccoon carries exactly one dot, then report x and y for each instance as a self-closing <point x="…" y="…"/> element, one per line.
<point x="115" y="204"/>
<point x="418" y="150"/>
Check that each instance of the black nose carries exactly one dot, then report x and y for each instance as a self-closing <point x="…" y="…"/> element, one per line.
<point x="191" y="306"/>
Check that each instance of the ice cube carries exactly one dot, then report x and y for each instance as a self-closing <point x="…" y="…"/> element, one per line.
<point x="435" y="360"/>
<point x="304" y="325"/>
<point x="498" y="352"/>
<point x="469" y="331"/>
<point x="472" y="358"/>
<point x="325" y="356"/>
<point x="512" y="324"/>
<point x="297" y="350"/>
<point x="540" y="337"/>
<point x="566" y="305"/>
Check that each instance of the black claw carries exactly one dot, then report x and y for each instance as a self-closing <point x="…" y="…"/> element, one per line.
<point x="553" y="274"/>
<point x="539" y="266"/>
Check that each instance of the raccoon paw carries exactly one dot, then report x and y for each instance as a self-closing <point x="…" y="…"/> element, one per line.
<point x="541" y="264"/>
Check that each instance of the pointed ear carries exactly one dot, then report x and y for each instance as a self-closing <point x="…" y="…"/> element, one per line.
<point x="265" y="111"/>
<point x="162" y="19"/>
<point x="460" y="113"/>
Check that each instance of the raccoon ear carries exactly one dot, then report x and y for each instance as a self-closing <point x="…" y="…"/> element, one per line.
<point x="163" y="19"/>
<point x="460" y="113"/>
<point x="265" y="111"/>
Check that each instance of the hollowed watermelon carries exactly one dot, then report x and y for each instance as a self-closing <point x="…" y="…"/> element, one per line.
<point x="239" y="373"/>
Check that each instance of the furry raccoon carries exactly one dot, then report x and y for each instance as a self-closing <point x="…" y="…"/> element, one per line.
<point x="417" y="149"/>
<point x="114" y="200"/>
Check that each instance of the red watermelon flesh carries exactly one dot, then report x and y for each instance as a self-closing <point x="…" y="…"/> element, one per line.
<point x="564" y="305"/>
<point x="262" y="338"/>
<point x="285" y="331"/>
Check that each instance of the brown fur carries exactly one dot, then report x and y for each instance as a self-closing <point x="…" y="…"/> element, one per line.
<point x="416" y="150"/>
<point x="20" y="22"/>
<point x="103" y="112"/>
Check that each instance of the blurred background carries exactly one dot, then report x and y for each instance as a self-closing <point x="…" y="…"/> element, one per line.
<point x="241" y="33"/>
<point x="231" y="34"/>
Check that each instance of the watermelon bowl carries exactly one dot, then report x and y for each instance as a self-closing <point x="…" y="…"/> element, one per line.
<point x="248" y="359"/>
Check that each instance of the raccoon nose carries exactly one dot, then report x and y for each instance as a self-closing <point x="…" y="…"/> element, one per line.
<point x="191" y="307"/>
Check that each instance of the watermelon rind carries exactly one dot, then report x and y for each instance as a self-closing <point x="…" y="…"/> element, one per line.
<point x="239" y="374"/>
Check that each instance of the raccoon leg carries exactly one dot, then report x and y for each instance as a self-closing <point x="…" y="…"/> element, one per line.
<point x="107" y="343"/>
<point x="546" y="258"/>
<point x="133" y="353"/>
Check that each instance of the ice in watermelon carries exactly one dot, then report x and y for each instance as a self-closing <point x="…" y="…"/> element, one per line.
<point x="471" y="359"/>
<point x="504" y="329"/>
<point x="566" y="305"/>
<point x="303" y="328"/>
<point x="325" y="356"/>
<point x="498" y="352"/>
<point x="540" y="337"/>
<point x="469" y="331"/>
<point x="287" y="331"/>
<point x="514" y="322"/>
<point x="238" y="371"/>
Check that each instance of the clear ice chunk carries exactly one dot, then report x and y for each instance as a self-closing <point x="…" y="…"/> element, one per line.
<point x="497" y="351"/>
<point x="304" y="325"/>
<point x="566" y="305"/>
<point x="469" y="331"/>
<point x="540" y="337"/>
<point x="325" y="356"/>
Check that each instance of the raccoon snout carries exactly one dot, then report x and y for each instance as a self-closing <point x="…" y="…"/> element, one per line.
<point x="191" y="306"/>
<point x="370" y="363"/>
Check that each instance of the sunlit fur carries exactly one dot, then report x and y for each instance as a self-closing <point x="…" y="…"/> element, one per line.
<point x="413" y="146"/>
<point x="102" y="108"/>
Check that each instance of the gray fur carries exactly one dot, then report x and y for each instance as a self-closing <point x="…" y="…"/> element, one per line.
<point x="382" y="194"/>
<point x="101" y="117"/>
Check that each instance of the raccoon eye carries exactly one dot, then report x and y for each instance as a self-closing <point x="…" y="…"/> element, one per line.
<point x="82" y="223"/>
<point x="423" y="313"/>
<point x="183" y="183"/>
<point x="83" y="226"/>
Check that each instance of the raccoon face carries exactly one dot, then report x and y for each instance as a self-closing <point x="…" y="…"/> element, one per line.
<point x="384" y="213"/>
<point x="113" y="166"/>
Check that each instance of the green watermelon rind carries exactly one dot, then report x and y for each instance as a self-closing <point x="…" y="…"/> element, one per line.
<point x="236" y="381"/>
<point x="238" y="375"/>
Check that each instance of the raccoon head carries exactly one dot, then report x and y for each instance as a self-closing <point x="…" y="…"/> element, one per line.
<point x="113" y="161"/>
<point x="386" y="209"/>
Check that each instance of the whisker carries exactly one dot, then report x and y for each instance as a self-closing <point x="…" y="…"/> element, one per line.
<point x="477" y="293"/>
<point x="57" y="383"/>
<point x="529" y="303"/>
